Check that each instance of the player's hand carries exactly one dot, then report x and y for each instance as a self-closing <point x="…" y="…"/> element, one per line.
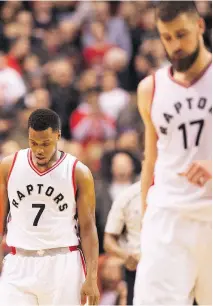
<point x="199" y="172"/>
<point x="90" y="292"/>
<point x="131" y="262"/>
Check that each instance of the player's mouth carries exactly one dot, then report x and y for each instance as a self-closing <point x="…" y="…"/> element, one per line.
<point x="179" y="55"/>
<point x="40" y="158"/>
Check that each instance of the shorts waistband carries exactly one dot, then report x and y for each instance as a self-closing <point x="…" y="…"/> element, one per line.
<point x="44" y="252"/>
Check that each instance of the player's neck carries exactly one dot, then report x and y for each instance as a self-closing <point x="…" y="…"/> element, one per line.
<point x="196" y="69"/>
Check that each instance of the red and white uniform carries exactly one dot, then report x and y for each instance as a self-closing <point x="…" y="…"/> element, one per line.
<point x="176" y="236"/>
<point x="43" y="218"/>
<point x="182" y="117"/>
<point x="53" y="193"/>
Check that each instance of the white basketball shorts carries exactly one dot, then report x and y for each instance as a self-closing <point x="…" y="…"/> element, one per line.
<point x="176" y="260"/>
<point x="42" y="280"/>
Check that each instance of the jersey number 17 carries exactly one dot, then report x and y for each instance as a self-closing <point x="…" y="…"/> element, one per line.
<point x="183" y="128"/>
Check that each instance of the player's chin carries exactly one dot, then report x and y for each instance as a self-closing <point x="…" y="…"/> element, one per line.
<point x="42" y="162"/>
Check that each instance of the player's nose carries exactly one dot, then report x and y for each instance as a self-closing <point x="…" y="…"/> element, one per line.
<point x="39" y="151"/>
<point x="175" y="45"/>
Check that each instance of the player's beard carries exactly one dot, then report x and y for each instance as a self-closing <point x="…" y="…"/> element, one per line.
<point x="183" y="64"/>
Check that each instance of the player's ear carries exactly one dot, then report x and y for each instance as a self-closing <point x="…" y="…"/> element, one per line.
<point x="201" y="26"/>
<point x="59" y="135"/>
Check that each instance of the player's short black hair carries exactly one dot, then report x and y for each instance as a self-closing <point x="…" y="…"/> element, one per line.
<point x="43" y="118"/>
<point x="168" y="10"/>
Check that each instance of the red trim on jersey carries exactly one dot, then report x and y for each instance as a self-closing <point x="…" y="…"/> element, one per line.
<point x="83" y="261"/>
<point x="13" y="250"/>
<point x="153" y="182"/>
<point x="154" y="87"/>
<point x="73" y="177"/>
<point x="196" y="79"/>
<point x="73" y="248"/>
<point x="11" y="169"/>
<point x="41" y="173"/>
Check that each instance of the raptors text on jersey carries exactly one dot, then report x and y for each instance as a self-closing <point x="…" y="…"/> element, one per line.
<point x="182" y="116"/>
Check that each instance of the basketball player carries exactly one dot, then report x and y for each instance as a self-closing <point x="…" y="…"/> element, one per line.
<point x="45" y="187"/>
<point x="175" y="105"/>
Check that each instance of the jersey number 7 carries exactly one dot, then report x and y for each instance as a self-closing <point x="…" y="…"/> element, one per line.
<point x="38" y="216"/>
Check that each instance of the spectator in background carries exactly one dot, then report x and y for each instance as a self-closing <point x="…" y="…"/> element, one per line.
<point x="119" y="170"/>
<point x="129" y="118"/>
<point x="77" y="12"/>
<point x="9" y="10"/>
<point x="70" y="44"/>
<point x="31" y="63"/>
<point x="112" y="99"/>
<point x="12" y="86"/>
<point x="19" y="132"/>
<point x="25" y="24"/>
<point x="88" y="80"/>
<point x="39" y="98"/>
<point x="125" y="215"/>
<point x="43" y="16"/>
<point x="9" y="147"/>
<point x="19" y="48"/>
<point x="116" y="60"/>
<point x="6" y="123"/>
<point x="94" y="54"/>
<point x="50" y="45"/>
<point x="129" y="140"/>
<point x="88" y="123"/>
<point x="147" y="24"/>
<point x="64" y="96"/>
<point x="117" y="31"/>
<point x="143" y="66"/>
<point x="75" y="148"/>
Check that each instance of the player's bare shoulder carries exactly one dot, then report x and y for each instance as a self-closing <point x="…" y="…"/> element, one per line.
<point x="83" y="174"/>
<point x="145" y="93"/>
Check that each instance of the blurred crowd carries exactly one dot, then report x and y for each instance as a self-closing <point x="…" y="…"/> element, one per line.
<point x="84" y="60"/>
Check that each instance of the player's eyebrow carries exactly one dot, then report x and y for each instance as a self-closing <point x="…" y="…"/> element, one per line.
<point x="44" y="141"/>
<point x="177" y="31"/>
<point x="182" y="30"/>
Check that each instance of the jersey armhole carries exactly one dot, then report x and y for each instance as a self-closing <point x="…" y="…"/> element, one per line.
<point x="73" y="177"/>
<point x="11" y="168"/>
<point x="153" y="94"/>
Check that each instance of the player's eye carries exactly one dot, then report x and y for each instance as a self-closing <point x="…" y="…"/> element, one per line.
<point x="181" y="35"/>
<point x="46" y="144"/>
<point x="167" y="38"/>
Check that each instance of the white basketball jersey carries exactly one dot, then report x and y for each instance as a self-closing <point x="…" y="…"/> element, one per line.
<point x="42" y="204"/>
<point x="182" y="117"/>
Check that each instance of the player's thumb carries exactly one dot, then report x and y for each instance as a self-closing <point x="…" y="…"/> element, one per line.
<point x="83" y="298"/>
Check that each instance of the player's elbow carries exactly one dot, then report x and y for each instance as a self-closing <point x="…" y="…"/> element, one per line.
<point x="87" y="226"/>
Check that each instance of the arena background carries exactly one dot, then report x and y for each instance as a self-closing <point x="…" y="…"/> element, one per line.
<point x="84" y="60"/>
